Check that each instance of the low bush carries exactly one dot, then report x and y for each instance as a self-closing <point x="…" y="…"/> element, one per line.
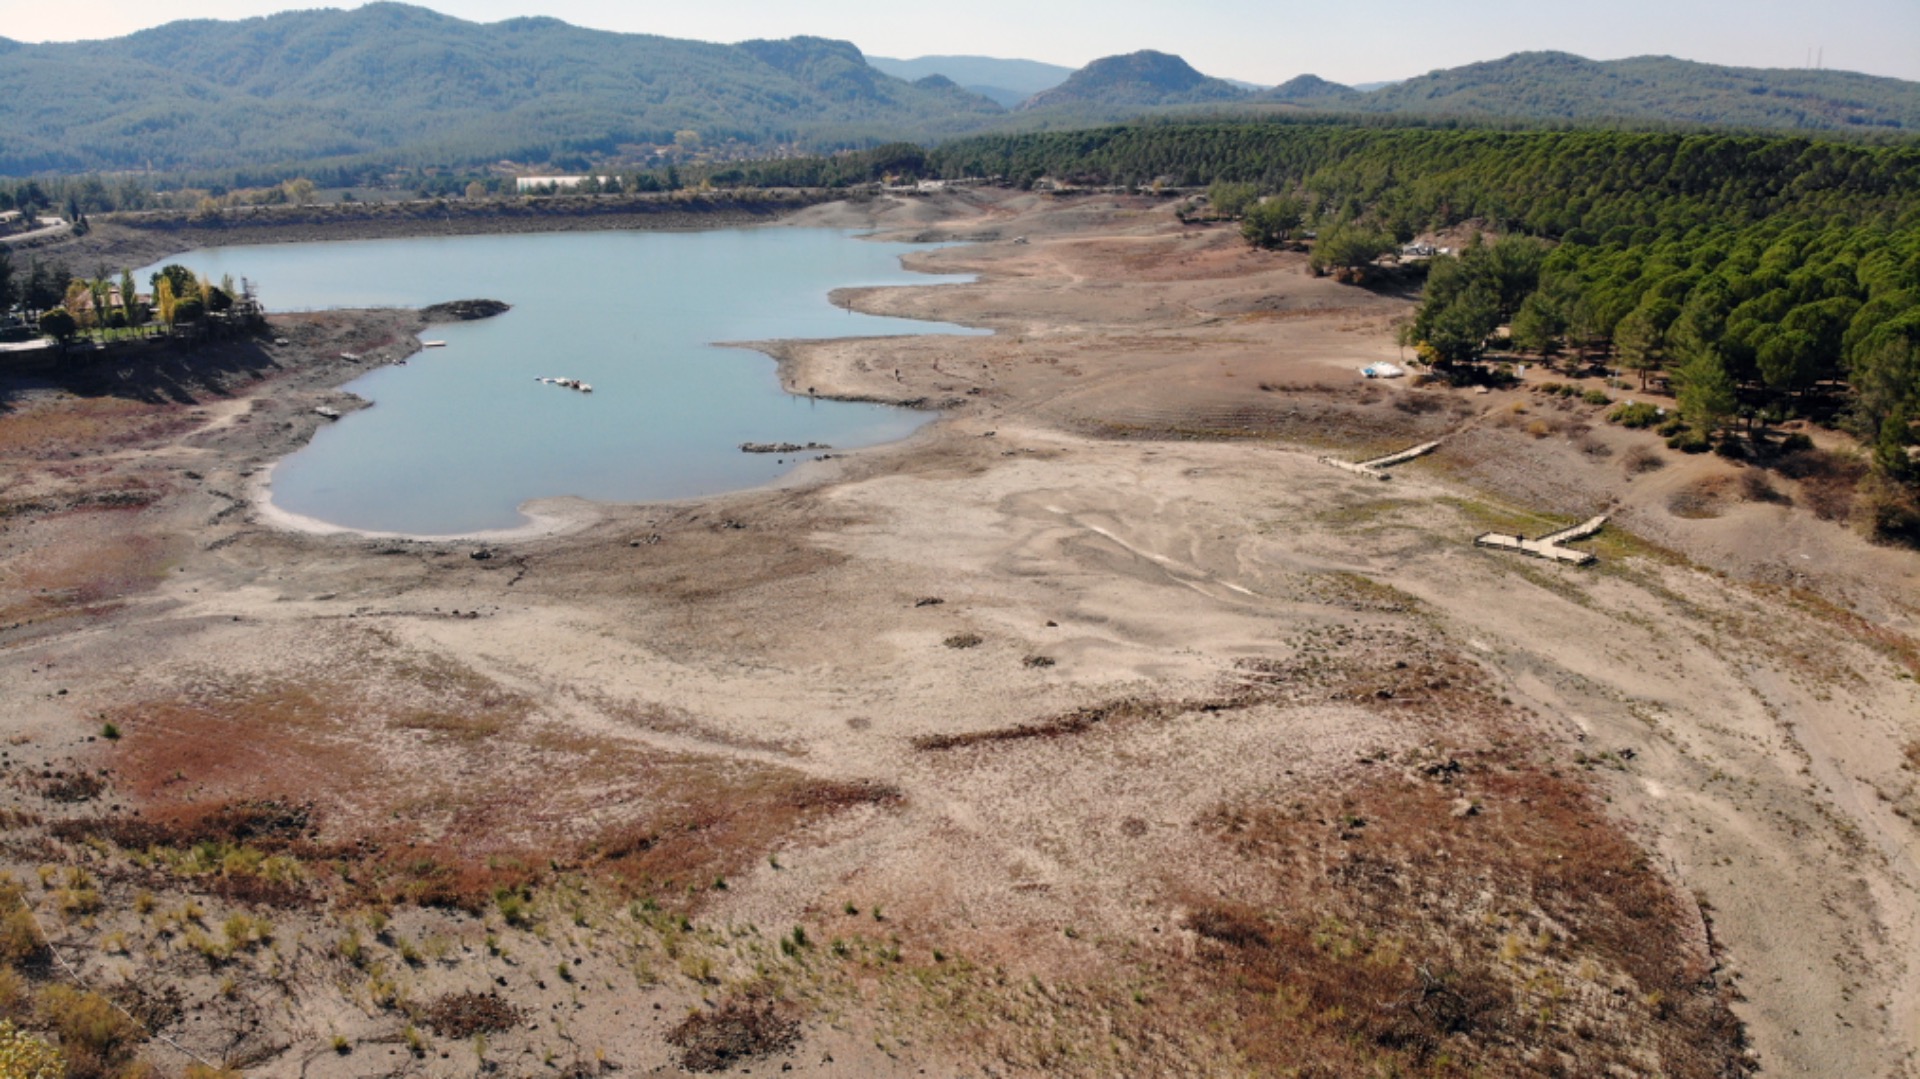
<point x="23" y="1056"/>
<point x="97" y="1038"/>
<point x="1635" y="414"/>
<point x="735" y="1032"/>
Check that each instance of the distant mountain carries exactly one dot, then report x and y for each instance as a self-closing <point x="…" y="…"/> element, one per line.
<point x="391" y="85"/>
<point x="1561" y="86"/>
<point x="1008" y="82"/>
<point x="1139" y="80"/>
<point x="404" y="84"/>
<point x="1308" y="89"/>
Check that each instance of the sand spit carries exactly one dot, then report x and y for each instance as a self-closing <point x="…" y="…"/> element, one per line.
<point x="1098" y="729"/>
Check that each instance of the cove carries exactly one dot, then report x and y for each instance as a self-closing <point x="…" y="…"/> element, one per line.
<point x="459" y="437"/>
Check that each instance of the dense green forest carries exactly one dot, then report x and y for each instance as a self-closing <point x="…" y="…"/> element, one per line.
<point x="1561" y="86"/>
<point x="1768" y="276"/>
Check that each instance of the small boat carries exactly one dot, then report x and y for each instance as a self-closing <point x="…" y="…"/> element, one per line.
<point x="329" y="413"/>
<point x="433" y="344"/>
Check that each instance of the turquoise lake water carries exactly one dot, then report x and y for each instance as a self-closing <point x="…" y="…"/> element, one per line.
<point x="460" y="436"/>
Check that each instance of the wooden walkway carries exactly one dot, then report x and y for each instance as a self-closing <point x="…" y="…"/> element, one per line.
<point x="1547" y="546"/>
<point x="1376" y="468"/>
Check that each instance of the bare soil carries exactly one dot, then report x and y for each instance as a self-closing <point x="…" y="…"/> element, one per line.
<point x="1248" y="765"/>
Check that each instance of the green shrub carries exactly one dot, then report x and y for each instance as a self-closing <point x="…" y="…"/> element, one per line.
<point x="1795" y="443"/>
<point x="1674" y="425"/>
<point x="1596" y="397"/>
<point x="1635" y="414"/>
<point x="1688" y="442"/>
<point x="1731" y="448"/>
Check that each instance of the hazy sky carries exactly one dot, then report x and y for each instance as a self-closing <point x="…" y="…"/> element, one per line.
<point x="1266" y="41"/>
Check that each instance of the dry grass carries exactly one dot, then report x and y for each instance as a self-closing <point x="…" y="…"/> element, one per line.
<point x="1077" y="721"/>
<point x="735" y="1032"/>
<point x="1702" y="499"/>
<point x="81" y="562"/>
<point x="1641" y="459"/>
<point x="1827" y="480"/>
<point x="53" y="429"/>
<point x="707" y="824"/>
<point x="1481" y="916"/>
<point x="486" y="798"/>
<point x="462" y="1015"/>
<point x="1755" y="487"/>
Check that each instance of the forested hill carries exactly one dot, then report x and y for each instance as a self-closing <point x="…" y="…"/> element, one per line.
<point x="391" y="85"/>
<point x="1561" y="86"/>
<point x="406" y="85"/>
<point x="1137" y="80"/>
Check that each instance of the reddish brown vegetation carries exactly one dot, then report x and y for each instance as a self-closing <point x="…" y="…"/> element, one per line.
<point x="737" y="1031"/>
<point x="454" y="820"/>
<point x="1479" y="916"/>
<point x="721" y="831"/>
<point x="1076" y="721"/>
<point x="462" y="1015"/>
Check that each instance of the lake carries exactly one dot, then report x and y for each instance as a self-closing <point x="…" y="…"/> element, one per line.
<point x="460" y="436"/>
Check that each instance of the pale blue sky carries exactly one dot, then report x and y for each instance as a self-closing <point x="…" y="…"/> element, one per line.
<point x="1265" y="41"/>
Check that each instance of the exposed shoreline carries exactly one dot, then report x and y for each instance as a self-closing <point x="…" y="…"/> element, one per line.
<point x="1075" y="640"/>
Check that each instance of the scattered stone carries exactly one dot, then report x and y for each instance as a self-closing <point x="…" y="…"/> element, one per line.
<point x="1465" y="807"/>
<point x="481" y="555"/>
<point x="781" y="447"/>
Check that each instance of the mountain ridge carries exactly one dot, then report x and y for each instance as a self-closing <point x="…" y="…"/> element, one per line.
<point x="1556" y="85"/>
<point x="399" y="82"/>
<point x="392" y="85"/>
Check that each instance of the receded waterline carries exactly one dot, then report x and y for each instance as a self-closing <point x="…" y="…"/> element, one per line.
<point x="461" y="436"/>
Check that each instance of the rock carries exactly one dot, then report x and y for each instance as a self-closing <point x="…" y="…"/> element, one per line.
<point x="481" y="555"/>
<point x="1465" y="807"/>
<point x="463" y="310"/>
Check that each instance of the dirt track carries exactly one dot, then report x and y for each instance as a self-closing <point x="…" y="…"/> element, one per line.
<point x="1160" y="622"/>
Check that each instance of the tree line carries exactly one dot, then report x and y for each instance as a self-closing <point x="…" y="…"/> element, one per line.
<point x="109" y="306"/>
<point x="1765" y="276"/>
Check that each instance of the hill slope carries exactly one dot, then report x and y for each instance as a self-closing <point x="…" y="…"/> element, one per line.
<point x="404" y="83"/>
<point x="1140" y="80"/>
<point x="1561" y="86"/>
<point x="1309" y="89"/>
<point x="1008" y="82"/>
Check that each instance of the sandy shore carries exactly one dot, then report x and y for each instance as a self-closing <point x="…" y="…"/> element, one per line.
<point x="1016" y="748"/>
